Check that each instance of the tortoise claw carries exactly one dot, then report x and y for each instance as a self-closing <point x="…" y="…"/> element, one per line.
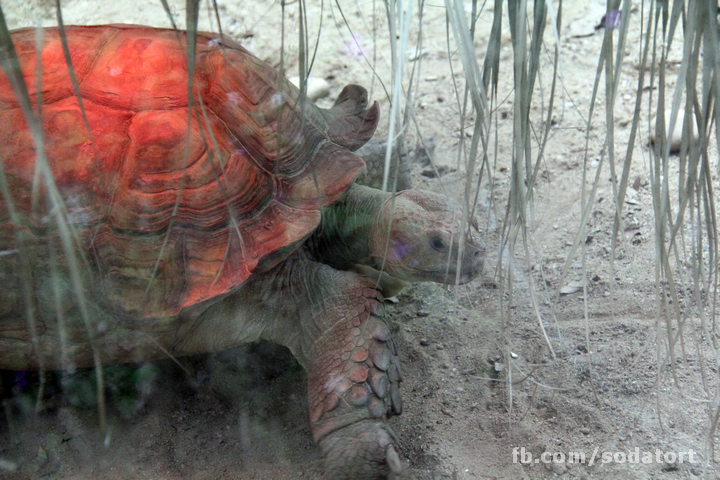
<point x="393" y="460"/>
<point x="362" y="451"/>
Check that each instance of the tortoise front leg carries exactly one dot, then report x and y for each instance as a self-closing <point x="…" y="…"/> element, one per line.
<point x="353" y="383"/>
<point x="331" y="321"/>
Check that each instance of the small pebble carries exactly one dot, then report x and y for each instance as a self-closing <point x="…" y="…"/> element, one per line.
<point x="637" y="183"/>
<point x="316" y="87"/>
<point x="556" y="468"/>
<point x="676" y="138"/>
<point x="7" y="465"/>
<point x="424" y="342"/>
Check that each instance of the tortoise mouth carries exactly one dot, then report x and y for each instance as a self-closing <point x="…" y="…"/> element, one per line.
<point x="445" y="273"/>
<point x="448" y="277"/>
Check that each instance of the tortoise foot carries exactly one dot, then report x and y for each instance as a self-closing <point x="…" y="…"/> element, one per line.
<point x="363" y="450"/>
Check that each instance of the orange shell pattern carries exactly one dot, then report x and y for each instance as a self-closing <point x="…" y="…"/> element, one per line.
<point x="188" y="215"/>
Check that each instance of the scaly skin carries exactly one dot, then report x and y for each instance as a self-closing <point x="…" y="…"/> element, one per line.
<point x="353" y="385"/>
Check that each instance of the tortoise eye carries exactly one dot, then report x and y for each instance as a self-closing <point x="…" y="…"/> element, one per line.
<point x="437" y="244"/>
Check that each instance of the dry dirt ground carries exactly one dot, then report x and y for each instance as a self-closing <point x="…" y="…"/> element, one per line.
<point x="243" y="413"/>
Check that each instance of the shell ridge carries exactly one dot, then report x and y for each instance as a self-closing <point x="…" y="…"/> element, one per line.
<point x="117" y="174"/>
<point x="250" y="154"/>
<point x="221" y="175"/>
<point x="93" y="63"/>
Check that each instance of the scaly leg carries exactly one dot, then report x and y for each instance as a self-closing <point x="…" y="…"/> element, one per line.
<point x="331" y="322"/>
<point x="353" y="383"/>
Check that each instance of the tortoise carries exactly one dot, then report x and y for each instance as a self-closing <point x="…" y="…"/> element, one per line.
<point x="159" y="223"/>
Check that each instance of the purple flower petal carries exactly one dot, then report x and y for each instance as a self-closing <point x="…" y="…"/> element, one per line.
<point x="354" y="47"/>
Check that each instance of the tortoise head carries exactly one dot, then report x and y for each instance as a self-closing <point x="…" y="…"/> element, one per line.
<point x="425" y="240"/>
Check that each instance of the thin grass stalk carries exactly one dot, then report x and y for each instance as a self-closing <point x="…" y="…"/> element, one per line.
<point x="612" y="74"/>
<point x="586" y="201"/>
<point x="99" y="374"/>
<point x="522" y="168"/>
<point x="711" y="90"/>
<point x="404" y="16"/>
<point x="214" y="6"/>
<point x="74" y="258"/>
<point x="411" y="94"/>
<point x="556" y="24"/>
<point x="693" y="32"/>
<point x="463" y="114"/>
<point x="222" y="181"/>
<point x="489" y="82"/>
<point x="169" y="14"/>
<point x="450" y="54"/>
<point x="464" y="108"/>
<point x="398" y="66"/>
<point x="687" y="190"/>
<point x="644" y="51"/>
<point x="192" y="10"/>
<point x="542" y="10"/>
<point x="696" y="225"/>
<point x="658" y="190"/>
<point x="303" y="71"/>
<point x="474" y="85"/>
<point x="38" y="112"/>
<point x="490" y="76"/>
<point x="71" y="71"/>
<point x="491" y="64"/>
<point x="523" y="77"/>
<point x="621" y="189"/>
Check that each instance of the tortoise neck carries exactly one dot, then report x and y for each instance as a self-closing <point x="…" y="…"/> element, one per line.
<point x="344" y="237"/>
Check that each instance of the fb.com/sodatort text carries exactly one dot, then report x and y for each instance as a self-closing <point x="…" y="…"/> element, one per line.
<point x="521" y="455"/>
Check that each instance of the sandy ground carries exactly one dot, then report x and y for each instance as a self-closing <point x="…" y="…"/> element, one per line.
<point x="243" y="413"/>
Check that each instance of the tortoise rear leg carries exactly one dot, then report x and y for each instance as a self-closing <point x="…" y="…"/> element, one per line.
<point x="353" y="382"/>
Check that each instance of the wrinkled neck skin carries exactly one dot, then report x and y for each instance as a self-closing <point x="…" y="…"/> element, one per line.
<point x="344" y="237"/>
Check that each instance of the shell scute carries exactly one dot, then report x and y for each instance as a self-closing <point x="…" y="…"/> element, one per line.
<point x="140" y="70"/>
<point x="83" y="44"/>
